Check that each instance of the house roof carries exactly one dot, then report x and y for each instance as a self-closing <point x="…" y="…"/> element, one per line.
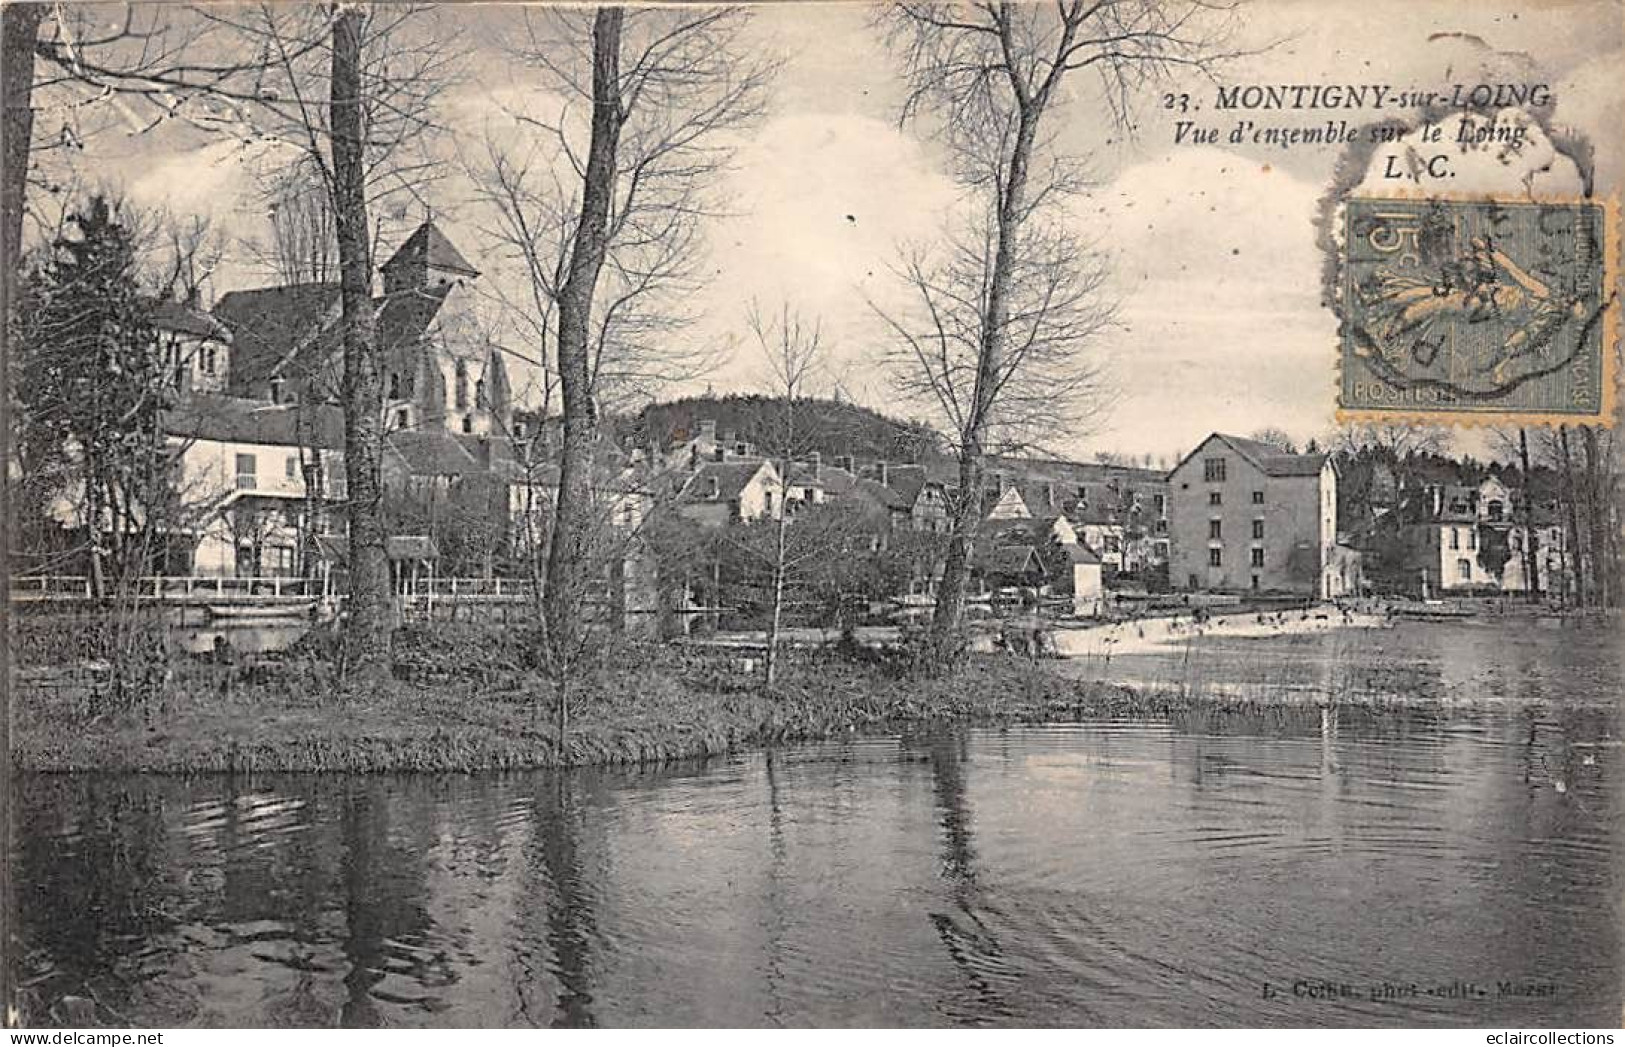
<point x="288" y="331"/>
<point x="1015" y="529"/>
<point x="429" y="245"/>
<point x="908" y="481"/>
<point x="268" y="324"/>
<point x="1062" y="471"/>
<point x="170" y="315"/>
<point x="232" y="419"/>
<point x="432" y="452"/>
<point x="1007" y="559"/>
<point x="1271" y="460"/>
<point x="880" y="493"/>
<point x="730" y="477"/>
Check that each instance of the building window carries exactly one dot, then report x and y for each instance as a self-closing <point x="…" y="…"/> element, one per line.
<point x="1464" y="569"/>
<point x="290" y="467"/>
<point x="1255" y="583"/>
<point x="461" y="390"/>
<point x="1495" y="509"/>
<point x="1258" y="530"/>
<point x="1215" y="557"/>
<point x="401" y="418"/>
<point x="1159" y="503"/>
<point x="1213" y="470"/>
<point x="519" y="430"/>
<point x="1258" y="557"/>
<point x="1516" y="542"/>
<point x="208" y="359"/>
<point x="468" y="423"/>
<point x="1258" y="497"/>
<point x="1455" y="538"/>
<point x="479" y="393"/>
<point x="1215" y="529"/>
<point x="1215" y="498"/>
<point x="394" y="385"/>
<point x="245" y="472"/>
<point x="1472" y="539"/>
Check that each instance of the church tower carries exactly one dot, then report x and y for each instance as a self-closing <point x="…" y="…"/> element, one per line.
<point x="425" y="261"/>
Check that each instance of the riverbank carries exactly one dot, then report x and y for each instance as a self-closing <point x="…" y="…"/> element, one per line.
<point x="461" y="703"/>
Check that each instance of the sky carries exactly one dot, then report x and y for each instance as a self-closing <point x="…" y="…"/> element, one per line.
<point x="1215" y="267"/>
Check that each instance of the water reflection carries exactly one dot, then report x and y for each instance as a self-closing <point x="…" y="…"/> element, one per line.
<point x="1116" y="874"/>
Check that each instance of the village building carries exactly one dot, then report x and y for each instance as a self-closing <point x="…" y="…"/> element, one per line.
<point x="258" y="483"/>
<point x="715" y="494"/>
<point x="1248" y="517"/>
<point x="439" y="368"/>
<point x="1118" y="511"/>
<point x="1040" y="554"/>
<point x="1460" y="538"/>
<point x="194" y="347"/>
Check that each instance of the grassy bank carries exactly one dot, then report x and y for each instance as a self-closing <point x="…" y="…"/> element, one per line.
<point x="662" y="704"/>
<point x="463" y="700"/>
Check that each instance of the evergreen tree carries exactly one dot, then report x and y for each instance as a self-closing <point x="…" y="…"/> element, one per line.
<point x="90" y="391"/>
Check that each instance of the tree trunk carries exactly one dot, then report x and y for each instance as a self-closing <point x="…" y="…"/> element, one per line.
<point x="568" y="553"/>
<point x="1602" y="568"/>
<point x="777" y="618"/>
<point x="1531" y="561"/>
<point x="20" y="30"/>
<point x="367" y="630"/>
<point x="1576" y="550"/>
<point x="947" y="620"/>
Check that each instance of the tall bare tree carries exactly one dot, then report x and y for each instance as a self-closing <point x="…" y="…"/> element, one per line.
<point x="661" y="84"/>
<point x="349" y="92"/>
<point x="792" y="349"/>
<point x="1000" y="317"/>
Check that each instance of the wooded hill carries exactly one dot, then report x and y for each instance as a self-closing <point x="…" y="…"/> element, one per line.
<point x="830" y="427"/>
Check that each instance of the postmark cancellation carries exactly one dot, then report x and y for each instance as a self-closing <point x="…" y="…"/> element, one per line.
<point x="1478" y="311"/>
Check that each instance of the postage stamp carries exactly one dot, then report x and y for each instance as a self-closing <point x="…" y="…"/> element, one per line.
<point x="1478" y="311"/>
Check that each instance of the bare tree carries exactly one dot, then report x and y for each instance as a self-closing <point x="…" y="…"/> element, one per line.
<point x="365" y="140"/>
<point x="792" y="349"/>
<point x="304" y="233"/>
<point x="660" y="84"/>
<point x="1396" y="441"/>
<point x="999" y="321"/>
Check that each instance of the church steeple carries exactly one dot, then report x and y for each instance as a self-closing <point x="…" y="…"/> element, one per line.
<point x="427" y="259"/>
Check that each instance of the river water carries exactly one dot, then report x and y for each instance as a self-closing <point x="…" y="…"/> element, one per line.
<point x="1290" y="869"/>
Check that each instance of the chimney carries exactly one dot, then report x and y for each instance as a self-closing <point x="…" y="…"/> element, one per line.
<point x="815" y="462"/>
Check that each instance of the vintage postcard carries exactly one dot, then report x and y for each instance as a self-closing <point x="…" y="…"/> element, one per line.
<point x="1087" y="514"/>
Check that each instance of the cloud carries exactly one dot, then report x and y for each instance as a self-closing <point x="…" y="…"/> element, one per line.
<point x="1217" y="272"/>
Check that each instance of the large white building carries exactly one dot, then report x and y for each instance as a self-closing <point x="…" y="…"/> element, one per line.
<point x="1246" y="516"/>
